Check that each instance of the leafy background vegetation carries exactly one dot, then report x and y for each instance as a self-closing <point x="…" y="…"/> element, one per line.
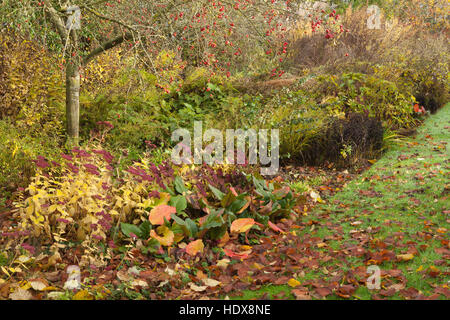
<point x="341" y="99"/>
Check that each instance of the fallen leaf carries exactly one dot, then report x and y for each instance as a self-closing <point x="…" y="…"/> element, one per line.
<point x="200" y="275"/>
<point x="274" y="227"/>
<point x="139" y="283"/>
<point x="396" y="287"/>
<point x="167" y="235"/>
<point x="433" y="271"/>
<point x="55" y="295"/>
<point x="232" y="254"/>
<point x="321" y="245"/>
<point x="242" y="225"/>
<point x="323" y="291"/>
<point x="223" y="263"/>
<point x="38" y="284"/>
<point x="258" y="266"/>
<point x="405" y="257"/>
<point x="315" y="196"/>
<point x="196" y="288"/>
<point x="134" y="271"/>
<point x="301" y="294"/>
<point x="124" y="276"/>
<point x="293" y="283"/>
<point x="83" y="295"/>
<point x="211" y="282"/>
<point x="195" y="247"/>
<point x="224" y="240"/>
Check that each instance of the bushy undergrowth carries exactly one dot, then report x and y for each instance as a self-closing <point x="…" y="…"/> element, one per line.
<point x="349" y="139"/>
<point x="339" y="99"/>
<point x="381" y="74"/>
<point x="31" y="89"/>
<point x="31" y="109"/>
<point x="87" y="199"/>
<point x="356" y="92"/>
<point x="17" y="149"/>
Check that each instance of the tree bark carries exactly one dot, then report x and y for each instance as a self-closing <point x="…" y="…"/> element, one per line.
<point x="73" y="100"/>
<point x="74" y="63"/>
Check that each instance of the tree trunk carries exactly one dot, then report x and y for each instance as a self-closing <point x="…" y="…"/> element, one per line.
<point x="73" y="99"/>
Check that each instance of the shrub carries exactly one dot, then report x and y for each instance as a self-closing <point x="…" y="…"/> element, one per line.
<point x="348" y="139"/>
<point x="17" y="147"/>
<point x="85" y="199"/>
<point x="356" y="43"/>
<point x="31" y="90"/>
<point x="300" y="121"/>
<point x="356" y="92"/>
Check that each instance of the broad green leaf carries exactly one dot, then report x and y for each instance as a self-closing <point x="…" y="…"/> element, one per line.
<point x="130" y="228"/>
<point x="237" y="205"/>
<point x="169" y="191"/>
<point x="189" y="226"/>
<point x="179" y="185"/>
<point x="145" y="228"/>
<point x="219" y="194"/>
<point x="228" y="199"/>
<point x="218" y="232"/>
<point x="212" y="220"/>
<point x="179" y="202"/>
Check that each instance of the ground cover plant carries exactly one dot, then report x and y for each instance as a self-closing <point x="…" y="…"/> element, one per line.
<point x="92" y="207"/>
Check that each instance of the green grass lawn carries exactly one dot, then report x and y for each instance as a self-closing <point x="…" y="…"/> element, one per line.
<point x="395" y="215"/>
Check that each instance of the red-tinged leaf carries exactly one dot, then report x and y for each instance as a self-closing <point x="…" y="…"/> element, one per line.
<point x="267" y="209"/>
<point x="323" y="292"/>
<point x="232" y="254"/>
<point x="167" y="236"/>
<point x="281" y="193"/>
<point x="301" y="294"/>
<point x="242" y="225"/>
<point x="274" y="227"/>
<point x="246" y="205"/>
<point x="387" y="293"/>
<point x="224" y="240"/>
<point x="158" y="213"/>
<point x="195" y="247"/>
<point x="345" y="291"/>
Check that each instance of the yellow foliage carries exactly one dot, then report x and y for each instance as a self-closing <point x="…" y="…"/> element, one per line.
<point x="82" y="200"/>
<point x="31" y="90"/>
<point x="102" y="72"/>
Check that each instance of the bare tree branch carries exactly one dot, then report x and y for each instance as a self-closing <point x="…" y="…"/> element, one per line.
<point x="106" y="46"/>
<point x="120" y="23"/>
<point x="57" y="21"/>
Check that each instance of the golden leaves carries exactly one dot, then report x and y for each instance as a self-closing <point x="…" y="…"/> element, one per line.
<point x="293" y="283"/>
<point x="166" y="238"/>
<point x="242" y="225"/>
<point x="405" y="257"/>
<point x="83" y="295"/>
